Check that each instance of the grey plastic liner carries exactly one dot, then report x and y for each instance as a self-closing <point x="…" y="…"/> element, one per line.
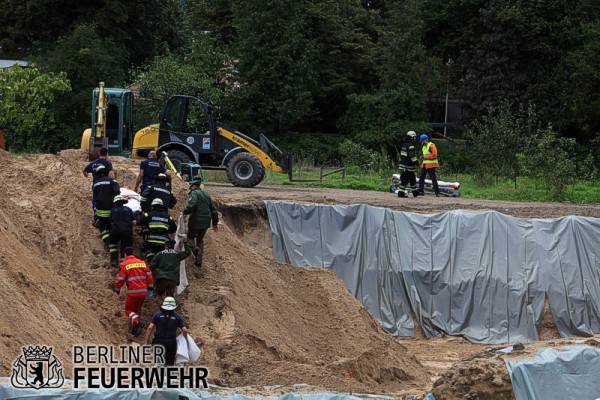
<point x="8" y="392"/>
<point x="481" y="275"/>
<point x="570" y="373"/>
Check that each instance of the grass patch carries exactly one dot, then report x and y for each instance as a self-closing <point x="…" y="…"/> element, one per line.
<point x="528" y="189"/>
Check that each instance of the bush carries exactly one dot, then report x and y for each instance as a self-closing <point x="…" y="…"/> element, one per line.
<point x="551" y="158"/>
<point x="354" y="154"/>
<point x="317" y="148"/>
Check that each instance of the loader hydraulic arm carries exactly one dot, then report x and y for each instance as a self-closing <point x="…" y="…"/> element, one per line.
<point x="260" y="150"/>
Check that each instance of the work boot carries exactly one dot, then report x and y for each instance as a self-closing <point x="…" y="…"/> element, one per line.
<point x="401" y="193"/>
<point x="135" y="329"/>
<point x="415" y="193"/>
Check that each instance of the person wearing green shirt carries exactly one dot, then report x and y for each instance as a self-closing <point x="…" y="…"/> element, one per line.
<point x="202" y="212"/>
<point x="165" y="268"/>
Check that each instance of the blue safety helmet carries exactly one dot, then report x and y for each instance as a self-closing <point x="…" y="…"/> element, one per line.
<point x="423" y="137"/>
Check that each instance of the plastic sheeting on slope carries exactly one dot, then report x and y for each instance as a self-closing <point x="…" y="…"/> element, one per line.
<point x="570" y="373"/>
<point x="481" y="275"/>
<point x="8" y="392"/>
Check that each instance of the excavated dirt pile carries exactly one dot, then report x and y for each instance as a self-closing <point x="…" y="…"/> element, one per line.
<point x="260" y="322"/>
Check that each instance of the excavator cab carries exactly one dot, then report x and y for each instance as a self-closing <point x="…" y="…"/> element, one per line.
<point x="112" y="122"/>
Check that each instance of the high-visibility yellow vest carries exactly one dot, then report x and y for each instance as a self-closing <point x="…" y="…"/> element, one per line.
<point x="429" y="163"/>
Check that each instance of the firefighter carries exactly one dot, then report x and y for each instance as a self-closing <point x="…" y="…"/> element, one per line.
<point x="121" y="232"/>
<point x="104" y="191"/>
<point x="149" y="168"/>
<point x="137" y="276"/>
<point x="202" y="212"/>
<point x="102" y="160"/>
<point x="408" y="166"/>
<point x="160" y="225"/>
<point x="165" y="268"/>
<point x="91" y="168"/>
<point x="158" y="190"/>
<point x="166" y="322"/>
<point x="430" y="164"/>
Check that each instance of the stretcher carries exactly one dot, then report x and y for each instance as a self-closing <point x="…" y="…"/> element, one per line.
<point x="448" y="189"/>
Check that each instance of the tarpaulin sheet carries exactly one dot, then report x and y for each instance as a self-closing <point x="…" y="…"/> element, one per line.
<point x="8" y="392"/>
<point x="569" y="373"/>
<point x="481" y="275"/>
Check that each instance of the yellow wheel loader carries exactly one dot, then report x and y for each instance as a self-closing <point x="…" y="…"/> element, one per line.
<point x="187" y="132"/>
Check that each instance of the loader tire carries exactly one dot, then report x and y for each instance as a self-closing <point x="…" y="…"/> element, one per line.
<point x="245" y="170"/>
<point x="177" y="158"/>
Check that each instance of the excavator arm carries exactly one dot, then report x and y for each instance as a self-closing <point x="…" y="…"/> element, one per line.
<point x="98" y="139"/>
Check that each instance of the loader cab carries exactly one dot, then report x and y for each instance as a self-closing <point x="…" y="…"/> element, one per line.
<point x="188" y="132"/>
<point x="119" y="120"/>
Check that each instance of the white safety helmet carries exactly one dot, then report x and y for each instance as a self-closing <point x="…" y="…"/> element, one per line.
<point x="157" y="202"/>
<point x="411" y="134"/>
<point x="169" y="304"/>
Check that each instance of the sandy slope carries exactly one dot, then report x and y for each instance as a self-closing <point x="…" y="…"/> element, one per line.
<point x="262" y="323"/>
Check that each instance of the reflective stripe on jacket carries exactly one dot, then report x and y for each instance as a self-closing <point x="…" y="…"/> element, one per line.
<point x="136" y="274"/>
<point x="430" y="156"/>
<point x="408" y="156"/>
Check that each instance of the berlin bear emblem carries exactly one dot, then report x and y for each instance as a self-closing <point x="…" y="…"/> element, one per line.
<point x="37" y="368"/>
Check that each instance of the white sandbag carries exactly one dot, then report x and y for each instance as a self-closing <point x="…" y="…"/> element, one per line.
<point x="133" y="199"/>
<point x="187" y="350"/>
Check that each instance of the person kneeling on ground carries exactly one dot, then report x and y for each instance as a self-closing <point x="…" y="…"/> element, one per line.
<point x="166" y="322"/>
<point x="165" y="268"/>
<point x="138" y="278"/>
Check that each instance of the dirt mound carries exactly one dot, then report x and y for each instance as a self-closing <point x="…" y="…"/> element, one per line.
<point x="261" y="322"/>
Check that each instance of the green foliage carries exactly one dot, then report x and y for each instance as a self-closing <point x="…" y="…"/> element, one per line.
<point x="202" y="71"/>
<point x="366" y="160"/>
<point x="499" y="138"/>
<point x="516" y="50"/>
<point x="318" y="149"/>
<point x="275" y="65"/>
<point x="551" y="159"/>
<point x="27" y="107"/>
<point x="379" y="117"/>
<point x="86" y="59"/>
<point x="456" y="159"/>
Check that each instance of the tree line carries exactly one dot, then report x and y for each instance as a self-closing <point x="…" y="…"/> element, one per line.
<point x="366" y="71"/>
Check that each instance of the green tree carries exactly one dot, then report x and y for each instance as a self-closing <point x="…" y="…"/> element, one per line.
<point x="581" y="99"/>
<point x="406" y="76"/>
<point x="505" y="49"/>
<point x="27" y="102"/>
<point x="550" y="158"/>
<point x="204" y="71"/>
<point x="275" y="64"/>
<point x="499" y="139"/>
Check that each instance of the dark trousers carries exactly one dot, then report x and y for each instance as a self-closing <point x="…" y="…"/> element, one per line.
<point x="431" y="172"/>
<point x="104" y="226"/>
<point x="118" y="240"/>
<point x="407" y="178"/>
<point x="170" y="346"/>
<point x="165" y="286"/>
<point x="196" y="241"/>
